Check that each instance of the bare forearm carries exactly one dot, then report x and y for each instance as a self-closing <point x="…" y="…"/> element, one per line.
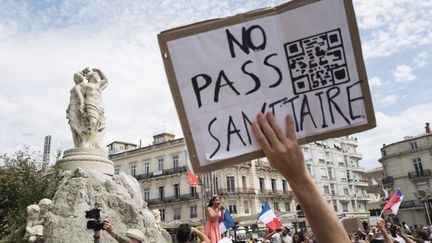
<point x="322" y="219"/>
<point x="387" y="238"/>
<point x="201" y="235"/>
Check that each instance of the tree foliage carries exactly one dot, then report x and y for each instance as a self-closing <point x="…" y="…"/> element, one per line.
<point x="21" y="184"/>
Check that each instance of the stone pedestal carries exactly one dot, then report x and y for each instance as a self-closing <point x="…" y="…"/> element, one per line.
<point x="88" y="159"/>
<point x="119" y="199"/>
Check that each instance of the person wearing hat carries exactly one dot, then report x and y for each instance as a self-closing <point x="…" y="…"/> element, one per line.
<point x="132" y="235"/>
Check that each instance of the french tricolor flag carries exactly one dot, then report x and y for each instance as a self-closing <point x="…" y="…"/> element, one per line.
<point x="268" y="217"/>
<point x="395" y="201"/>
<point x="227" y="223"/>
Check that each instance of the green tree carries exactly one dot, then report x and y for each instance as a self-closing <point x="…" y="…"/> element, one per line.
<point x="21" y="184"/>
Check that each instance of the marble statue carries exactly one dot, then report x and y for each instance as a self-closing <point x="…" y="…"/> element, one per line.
<point x="157" y="217"/>
<point x="36" y="216"/>
<point x="86" y="111"/>
<point x="75" y="110"/>
<point x="86" y="117"/>
<point x="44" y="206"/>
<point x="34" y="228"/>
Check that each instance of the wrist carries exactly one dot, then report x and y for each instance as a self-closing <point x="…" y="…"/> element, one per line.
<point x="301" y="182"/>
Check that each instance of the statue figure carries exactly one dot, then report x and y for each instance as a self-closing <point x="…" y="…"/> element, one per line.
<point x="74" y="112"/>
<point x="44" y="206"/>
<point x="86" y="111"/>
<point x="93" y="107"/>
<point x="33" y="228"/>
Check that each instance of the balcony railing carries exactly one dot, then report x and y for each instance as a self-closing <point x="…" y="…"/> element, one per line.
<point x="182" y="197"/>
<point x="238" y="190"/>
<point x="170" y="171"/>
<point x="276" y="193"/>
<point x="411" y="204"/>
<point x="419" y="174"/>
<point x="388" y="180"/>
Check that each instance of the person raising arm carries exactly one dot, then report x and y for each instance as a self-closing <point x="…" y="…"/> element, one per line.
<point x="285" y="155"/>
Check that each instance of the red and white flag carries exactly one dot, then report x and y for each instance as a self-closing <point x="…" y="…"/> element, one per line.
<point x="268" y="217"/>
<point x="395" y="201"/>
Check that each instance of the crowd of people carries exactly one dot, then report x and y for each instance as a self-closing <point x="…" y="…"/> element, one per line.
<point x="285" y="155"/>
<point x="389" y="233"/>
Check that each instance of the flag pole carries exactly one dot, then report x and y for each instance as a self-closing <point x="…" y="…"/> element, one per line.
<point x="382" y="211"/>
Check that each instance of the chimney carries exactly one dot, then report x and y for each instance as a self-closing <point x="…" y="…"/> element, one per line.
<point x="140" y="143"/>
<point x="427" y="127"/>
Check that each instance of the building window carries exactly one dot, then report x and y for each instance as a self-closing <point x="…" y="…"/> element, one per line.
<point x="216" y="185"/>
<point x="230" y="183"/>
<point x="413" y="145"/>
<point x="160" y="164"/>
<point x="193" y="212"/>
<point x="261" y="184"/>
<point x="175" y="159"/>
<point x="176" y="191"/>
<point x="335" y="206"/>
<point x="193" y="191"/>
<point x="146" y="194"/>
<point x="330" y="173"/>
<point x="147" y="168"/>
<point x="133" y="169"/>
<point x="323" y="173"/>
<point x="418" y="166"/>
<point x="284" y="185"/>
<point x="177" y="213"/>
<point x="246" y="206"/>
<point x="326" y="190"/>
<point x="232" y="208"/>
<point x="116" y="171"/>
<point x="343" y="175"/>
<point x="321" y="158"/>
<point x="346" y="191"/>
<point x="287" y="207"/>
<point x="276" y="206"/>
<point x="244" y="182"/>
<point x="162" y="214"/>
<point x="345" y="207"/>
<point x="273" y="185"/>
<point x="333" y="191"/>
<point x="161" y="193"/>
<point x="340" y="161"/>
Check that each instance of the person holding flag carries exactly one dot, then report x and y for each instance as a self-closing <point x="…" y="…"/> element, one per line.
<point x="284" y="154"/>
<point x="394" y="203"/>
<point x="227" y="223"/>
<point x="268" y="217"/>
<point x="214" y="215"/>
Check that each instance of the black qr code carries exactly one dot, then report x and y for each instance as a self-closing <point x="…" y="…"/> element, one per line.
<point x="317" y="61"/>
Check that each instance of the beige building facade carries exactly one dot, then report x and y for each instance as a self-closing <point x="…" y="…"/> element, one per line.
<point x="407" y="164"/>
<point x="375" y="190"/>
<point x="161" y="169"/>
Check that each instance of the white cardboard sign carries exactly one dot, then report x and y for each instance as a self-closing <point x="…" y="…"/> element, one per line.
<point x="301" y="58"/>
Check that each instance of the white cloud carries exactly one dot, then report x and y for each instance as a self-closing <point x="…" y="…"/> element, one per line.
<point x="391" y="129"/>
<point x="393" y="26"/>
<point x="375" y="81"/>
<point x="388" y="100"/>
<point x="422" y="59"/>
<point x="403" y="74"/>
<point x="42" y="45"/>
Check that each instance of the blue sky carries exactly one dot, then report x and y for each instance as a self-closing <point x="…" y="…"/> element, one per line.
<point x="42" y="43"/>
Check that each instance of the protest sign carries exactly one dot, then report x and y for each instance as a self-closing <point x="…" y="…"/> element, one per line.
<point x="301" y="58"/>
